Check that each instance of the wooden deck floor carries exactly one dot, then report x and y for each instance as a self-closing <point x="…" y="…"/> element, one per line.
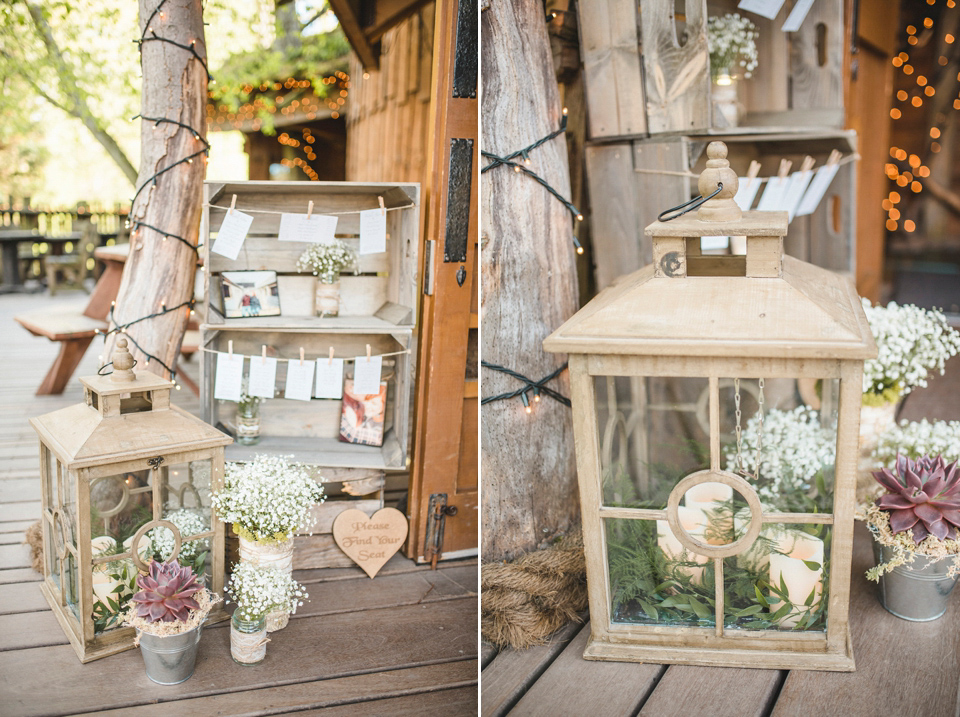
<point x="903" y="668"/>
<point x="402" y="644"/>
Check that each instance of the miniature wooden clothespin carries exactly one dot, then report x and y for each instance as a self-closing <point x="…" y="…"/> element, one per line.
<point x="368" y="353"/>
<point x="263" y="354"/>
<point x="754" y="170"/>
<point x="309" y="209"/>
<point x="330" y="360"/>
<point x="230" y="347"/>
<point x="834" y="157"/>
<point x="301" y="355"/>
<point x="233" y="204"/>
<point x="383" y="209"/>
<point x="785" y="165"/>
<point x="807" y="164"/>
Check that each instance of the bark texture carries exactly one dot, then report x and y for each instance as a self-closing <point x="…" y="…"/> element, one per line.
<point x="161" y="272"/>
<point x="529" y="287"/>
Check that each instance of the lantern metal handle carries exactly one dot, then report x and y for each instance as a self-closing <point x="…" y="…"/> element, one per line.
<point x="682" y="209"/>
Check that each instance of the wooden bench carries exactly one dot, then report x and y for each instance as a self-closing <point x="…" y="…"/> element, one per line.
<point x="73" y="328"/>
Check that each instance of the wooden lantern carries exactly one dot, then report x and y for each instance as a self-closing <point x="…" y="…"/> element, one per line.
<point x="118" y="473"/>
<point x="686" y="376"/>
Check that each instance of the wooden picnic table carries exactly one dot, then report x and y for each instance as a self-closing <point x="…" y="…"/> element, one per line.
<point x="10" y="240"/>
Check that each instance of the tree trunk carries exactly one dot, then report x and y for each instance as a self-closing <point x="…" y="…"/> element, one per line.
<point x="160" y="272"/>
<point x="529" y="288"/>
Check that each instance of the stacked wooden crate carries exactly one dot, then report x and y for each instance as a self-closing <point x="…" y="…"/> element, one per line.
<point x="378" y="310"/>
<point x="650" y="118"/>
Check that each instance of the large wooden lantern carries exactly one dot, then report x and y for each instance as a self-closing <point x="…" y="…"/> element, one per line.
<point x="126" y="478"/>
<point x="716" y="404"/>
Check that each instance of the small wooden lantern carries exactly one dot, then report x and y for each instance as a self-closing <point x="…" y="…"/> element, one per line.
<point x="119" y="472"/>
<point x="716" y="404"/>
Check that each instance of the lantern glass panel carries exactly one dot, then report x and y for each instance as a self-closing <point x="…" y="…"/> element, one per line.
<point x="797" y="440"/>
<point x="50" y="477"/>
<point x="186" y="491"/>
<point x="653" y="431"/>
<point x="119" y="506"/>
<point x="781" y="582"/>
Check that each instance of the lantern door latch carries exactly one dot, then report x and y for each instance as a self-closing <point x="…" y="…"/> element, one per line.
<point x="438" y="511"/>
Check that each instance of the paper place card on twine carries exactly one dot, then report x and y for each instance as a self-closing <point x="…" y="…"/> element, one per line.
<point x="329" y="378"/>
<point x="299" y="380"/>
<point x="229" y="382"/>
<point x="314" y="228"/>
<point x="232" y="233"/>
<point x="373" y="231"/>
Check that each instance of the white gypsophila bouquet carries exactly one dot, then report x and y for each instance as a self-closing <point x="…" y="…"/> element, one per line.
<point x="247" y="403"/>
<point x="795" y="448"/>
<point x="326" y="259"/>
<point x="911" y="343"/>
<point x="188" y="522"/>
<point x="267" y="499"/>
<point x="915" y="439"/>
<point x="257" y="590"/>
<point x="733" y="45"/>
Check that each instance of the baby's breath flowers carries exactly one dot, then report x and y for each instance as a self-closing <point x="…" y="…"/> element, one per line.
<point x="188" y="522"/>
<point x="256" y="591"/>
<point x="795" y="448"/>
<point x="267" y="499"/>
<point x="912" y="342"/>
<point x="733" y="45"/>
<point x="327" y="260"/>
<point x="915" y="439"/>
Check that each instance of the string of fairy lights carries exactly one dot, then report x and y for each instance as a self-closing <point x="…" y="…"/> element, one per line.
<point x="908" y="170"/>
<point x="524" y="167"/>
<point x="529" y="388"/>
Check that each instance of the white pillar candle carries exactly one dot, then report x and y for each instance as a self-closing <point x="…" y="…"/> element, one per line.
<point x="799" y="579"/>
<point x="709" y="498"/>
<point x="103" y="585"/>
<point x="694" y="523"/>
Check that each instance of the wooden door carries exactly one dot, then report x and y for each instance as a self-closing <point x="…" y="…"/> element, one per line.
<point x="444" y="474"/>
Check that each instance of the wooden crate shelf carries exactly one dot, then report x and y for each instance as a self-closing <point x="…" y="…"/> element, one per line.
<point x="378" y="309"/>
<point x="631" y="182"/>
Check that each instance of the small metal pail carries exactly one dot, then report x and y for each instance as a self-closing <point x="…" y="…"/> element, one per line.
<point x="917" y="591"/>
<point x="170" y="659"/>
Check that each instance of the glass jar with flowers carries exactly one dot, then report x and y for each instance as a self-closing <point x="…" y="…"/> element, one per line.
<point x="268" y="500"/>
<point x="916" y="541"/>
<point x="266" y="592"/>
<point x="248" y="419"/>
<point x="326" y="262"/>
<point x="911" y="343"/>
<point x="732" y="40"/>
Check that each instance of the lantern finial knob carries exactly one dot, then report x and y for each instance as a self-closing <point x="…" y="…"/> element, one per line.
<point x="720" y="208"/>
<point x="122" y="363"/>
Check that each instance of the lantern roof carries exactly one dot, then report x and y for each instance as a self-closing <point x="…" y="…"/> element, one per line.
<point x="125" y="416"/>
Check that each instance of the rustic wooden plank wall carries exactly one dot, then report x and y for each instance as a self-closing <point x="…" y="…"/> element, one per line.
<point x="387" y="128"/>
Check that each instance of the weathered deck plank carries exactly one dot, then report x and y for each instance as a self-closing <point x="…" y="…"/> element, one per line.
<point x="355" y="690"/>
<point x="717" y="691"/>
<point x="461" y="702"/>
<point x="504" y="682"/>
<point x="621" y="687"/>
<point x="308" y="649"/>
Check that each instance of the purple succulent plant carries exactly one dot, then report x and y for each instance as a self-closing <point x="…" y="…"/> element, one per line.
<point x="166" y="593"/>
<point x="924" y="495"/>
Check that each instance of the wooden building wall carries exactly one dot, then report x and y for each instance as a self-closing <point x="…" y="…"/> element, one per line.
<point x="388" y="111"/>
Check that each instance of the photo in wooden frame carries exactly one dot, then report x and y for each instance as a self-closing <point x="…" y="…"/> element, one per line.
<point x="249" y="293"/>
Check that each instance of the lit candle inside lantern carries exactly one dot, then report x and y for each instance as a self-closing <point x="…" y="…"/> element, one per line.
<point x="694" y="522"/>
<point x="799" y="579"/>
<point x="709" y="498"/>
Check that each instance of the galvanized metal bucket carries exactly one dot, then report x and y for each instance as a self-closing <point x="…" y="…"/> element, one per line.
<point x="917" y="591"/>
<point x="171" y="659"/>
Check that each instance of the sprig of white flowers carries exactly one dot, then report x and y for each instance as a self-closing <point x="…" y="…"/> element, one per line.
<point x="326" y="259"/>
<point x="257" y="590"/>
<point x="270" y="497"/>
<point x="795" y="448"/>
<point x="915" y="439"/>
<point x="733" y="44"/>
<point x="911" y="342"/>
<point x="188" y="522"/>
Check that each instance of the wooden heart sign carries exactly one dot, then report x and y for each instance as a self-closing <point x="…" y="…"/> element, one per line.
<point x="370" y="541"/>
